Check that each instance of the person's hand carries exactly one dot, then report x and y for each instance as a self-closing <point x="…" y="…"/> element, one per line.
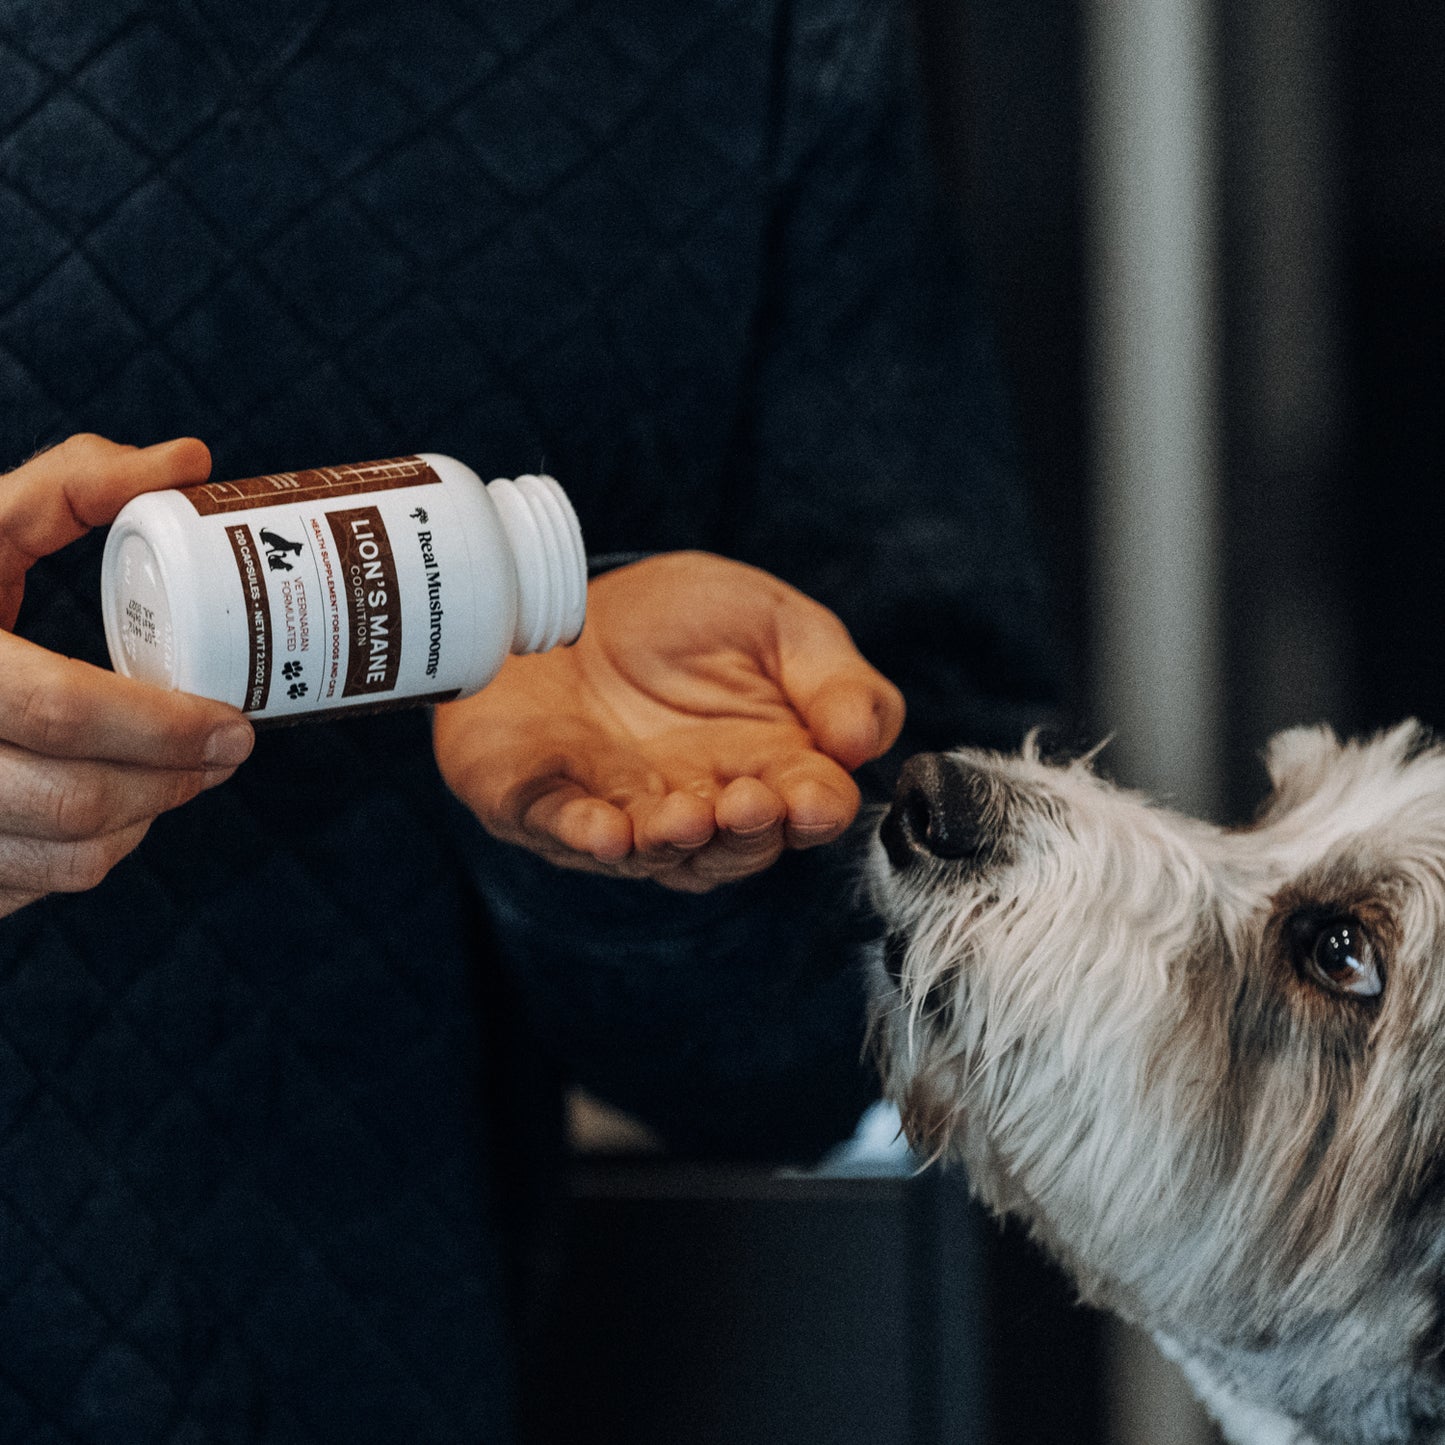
<point x="89" y="758"/>
<point x="707" y="718"/>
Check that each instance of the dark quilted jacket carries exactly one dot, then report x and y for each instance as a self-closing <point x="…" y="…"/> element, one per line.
<point x="268" y="1096"/>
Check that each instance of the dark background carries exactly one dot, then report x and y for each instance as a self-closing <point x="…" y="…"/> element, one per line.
<point x="746" y="1311"/>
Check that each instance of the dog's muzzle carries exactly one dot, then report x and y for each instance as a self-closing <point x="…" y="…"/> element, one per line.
<point x="937" y="813"/>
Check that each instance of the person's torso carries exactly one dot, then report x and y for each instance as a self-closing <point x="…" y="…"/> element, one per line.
<point x="244" y="1091"/>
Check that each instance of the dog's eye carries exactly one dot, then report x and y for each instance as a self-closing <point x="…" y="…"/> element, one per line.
<point x="1342" y="958"/>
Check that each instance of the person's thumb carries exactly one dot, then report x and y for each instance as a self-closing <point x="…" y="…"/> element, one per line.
<point x="853" y="712"/>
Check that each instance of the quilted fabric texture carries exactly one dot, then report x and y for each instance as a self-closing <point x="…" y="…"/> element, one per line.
<point x="261" y="1098"/>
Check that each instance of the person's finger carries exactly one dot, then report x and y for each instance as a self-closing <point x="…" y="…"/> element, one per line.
<point x="748" y="818"/>
<point x="821" y="798"/>
<point x="36" y="866"/>
<point x="819" y="812"/>
<point x="730" y="856"/>
<point x="686" y="877"/>
<point x="853" y="716"/>
<point x="59" y="707"/>
<point x="853" y="712"/>
<point x="71" y="799"/>
<point x="678" y="820"/>
<point x="559" y="785"/>
<point x="571" y="817"/>
<point x="750" y="837"/>
<point x="748" y="808"/>
<point x="58" y="496"/>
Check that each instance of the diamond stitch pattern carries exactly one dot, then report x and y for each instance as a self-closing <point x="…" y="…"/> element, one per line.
<point x="69" y="156"/>
<point x="155" y="221"/>
<point x="21" y="85"/>
<point x="33" y="248"/>
<point x="124" y="85"/>
<point x="71" y="302"/>
<point x="61" y="41"/>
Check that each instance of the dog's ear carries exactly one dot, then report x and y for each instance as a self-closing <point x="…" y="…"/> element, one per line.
<point x="1297" y="757"/>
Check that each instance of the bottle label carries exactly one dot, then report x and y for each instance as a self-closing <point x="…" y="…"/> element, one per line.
<point x="324" y="484"/>
<point x="323" y="589"/>
<point x="373" y="610"/>
<point x="256" y="607"/>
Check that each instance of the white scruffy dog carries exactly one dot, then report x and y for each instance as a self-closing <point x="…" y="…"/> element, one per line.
<point x="1205" y="1065"/>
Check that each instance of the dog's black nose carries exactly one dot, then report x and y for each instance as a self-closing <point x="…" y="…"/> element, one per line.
<point x="935" y="813"/>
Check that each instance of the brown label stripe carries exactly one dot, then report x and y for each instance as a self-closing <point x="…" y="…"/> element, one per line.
<point x="373" y="602"/>
<point x="257" y="609"/>
<point x="213" y="498"/>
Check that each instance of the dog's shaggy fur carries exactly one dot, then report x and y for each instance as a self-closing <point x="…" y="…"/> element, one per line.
<point x="1206" y="1066"/>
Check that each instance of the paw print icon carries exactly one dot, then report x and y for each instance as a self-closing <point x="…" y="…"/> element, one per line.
<point x="297" y="689"/>
<point x="292" y="669"/>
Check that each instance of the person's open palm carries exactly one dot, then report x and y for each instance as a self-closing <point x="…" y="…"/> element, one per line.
<point x="708" y="717"/>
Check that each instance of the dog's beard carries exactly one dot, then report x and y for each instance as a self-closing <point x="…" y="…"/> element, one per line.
<point x="1018" y="1025"/>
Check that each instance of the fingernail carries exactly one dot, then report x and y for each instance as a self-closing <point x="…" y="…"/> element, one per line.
<point x="229" y="745"/>
<point x="817" y="830"/>
<point x="756" y="831"/>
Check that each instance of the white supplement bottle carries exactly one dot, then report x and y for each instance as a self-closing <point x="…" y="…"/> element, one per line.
<point x="311" y="594"/>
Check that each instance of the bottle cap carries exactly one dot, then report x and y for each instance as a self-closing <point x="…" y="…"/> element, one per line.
<point x="551" y="560"/>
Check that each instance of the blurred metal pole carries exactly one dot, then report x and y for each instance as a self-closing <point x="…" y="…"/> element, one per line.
<point x="1289" y="558"/>
<point x="1152" y="220"/>
<point x="1149" y="183"/>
